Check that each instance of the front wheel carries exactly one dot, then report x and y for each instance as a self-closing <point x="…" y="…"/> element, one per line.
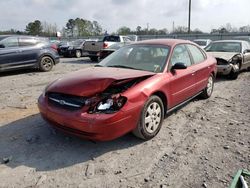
<point x="78" y="53"/>
<point x="207" y="92"/>
<point x="151" y="119"/>
<point x="46" y="64"/>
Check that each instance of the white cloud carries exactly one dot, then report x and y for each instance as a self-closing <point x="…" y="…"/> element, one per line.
<point x="112" y="14"/>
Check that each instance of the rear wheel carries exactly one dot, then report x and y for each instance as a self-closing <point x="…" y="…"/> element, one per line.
<point x="78" y="53"/>
<point x="151" y="119"/>
<point x="46" y="64"/>
<point x="207" y="92"/>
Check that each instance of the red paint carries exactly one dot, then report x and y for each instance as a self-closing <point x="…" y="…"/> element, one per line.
<point x="176" y="86"/>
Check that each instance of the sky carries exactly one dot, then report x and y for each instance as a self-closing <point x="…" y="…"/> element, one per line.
<point x="113" y="14"/>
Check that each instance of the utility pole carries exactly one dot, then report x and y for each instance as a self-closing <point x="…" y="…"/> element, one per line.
<point x="189" y="16"/>
<point x="173" y="27"/>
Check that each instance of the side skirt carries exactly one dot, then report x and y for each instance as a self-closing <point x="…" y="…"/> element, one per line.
<point x="182" y="104"/>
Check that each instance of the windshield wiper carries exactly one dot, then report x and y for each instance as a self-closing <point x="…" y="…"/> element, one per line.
<point x="98" y="65"/>
<point x="121" y="66"/>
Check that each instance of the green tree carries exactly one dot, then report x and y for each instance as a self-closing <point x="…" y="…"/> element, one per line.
<point x="70" y="25"/>
<point x="34" y="28"/>
<point x="124" y="30"/>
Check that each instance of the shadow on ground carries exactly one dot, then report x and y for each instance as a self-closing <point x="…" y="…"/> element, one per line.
<point x="31" y="142"/>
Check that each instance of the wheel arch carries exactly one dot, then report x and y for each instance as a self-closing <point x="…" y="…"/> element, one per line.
<point x="164" y="99"/>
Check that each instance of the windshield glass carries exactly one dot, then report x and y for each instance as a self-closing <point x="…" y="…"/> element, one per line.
<point x="224" y="47"/>
<point x="76" y="43"/>
<point x="141" y="57"/>
<point x="201" y="42"/>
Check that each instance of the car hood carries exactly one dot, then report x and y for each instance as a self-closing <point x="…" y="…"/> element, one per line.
<point x="90" y="81"/>
<point x="223" y="55"/>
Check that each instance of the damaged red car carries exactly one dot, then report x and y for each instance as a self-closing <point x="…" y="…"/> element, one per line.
<point x="129" y="91"/>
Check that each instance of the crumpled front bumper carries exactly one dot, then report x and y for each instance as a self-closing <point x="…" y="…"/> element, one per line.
<point x="226" y="69"/>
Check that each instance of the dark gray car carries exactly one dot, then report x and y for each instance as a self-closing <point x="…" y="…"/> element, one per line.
<point x="18" y="52"/>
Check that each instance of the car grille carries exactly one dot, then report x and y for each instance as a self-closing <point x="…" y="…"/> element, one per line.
<point x="68" y="102"/>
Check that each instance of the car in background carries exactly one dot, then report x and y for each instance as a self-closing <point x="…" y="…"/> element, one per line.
<point x="131" y="90"/>
<point x="246" y="38"/>
<point x="232" y="56"/>
<point x="72" y="49"/>
<point x="107" y="51"/>
<point x="202" y="42"/>
<point x="92" y="48"/>
<point x="18" y="52"/>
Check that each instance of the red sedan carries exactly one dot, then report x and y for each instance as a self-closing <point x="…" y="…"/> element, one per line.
<point x="129" y="91"/>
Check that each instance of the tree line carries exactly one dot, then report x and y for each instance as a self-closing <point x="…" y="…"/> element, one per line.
<point x="80" y="27"/>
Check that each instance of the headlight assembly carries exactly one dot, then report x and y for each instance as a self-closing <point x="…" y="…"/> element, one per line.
<point x="109" y="105"/>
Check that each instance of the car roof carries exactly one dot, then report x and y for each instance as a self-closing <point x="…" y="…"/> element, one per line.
<point x="229" y="41"/>
<point x="167" y="42"/>
<point x="202" y="40"/>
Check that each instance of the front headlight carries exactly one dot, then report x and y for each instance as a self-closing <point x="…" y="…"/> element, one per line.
<point x="71" y="48"/>
<point x="109" y="105"/>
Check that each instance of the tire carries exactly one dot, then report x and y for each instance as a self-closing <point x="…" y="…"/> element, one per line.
<point x="94" y="58"/>
<point x="46" y="64"/>
<point x="78" y="54"/>
<point x="151" y="119"/>
<point x="207" y="92"/>
<point x="233" y="75"/>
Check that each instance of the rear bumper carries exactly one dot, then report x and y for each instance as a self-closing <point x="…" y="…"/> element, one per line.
<point x="99" y="127"/>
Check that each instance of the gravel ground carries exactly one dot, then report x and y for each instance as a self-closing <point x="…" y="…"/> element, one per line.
<point x="203" y="144"/>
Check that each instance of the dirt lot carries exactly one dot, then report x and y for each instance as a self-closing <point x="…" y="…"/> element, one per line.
<point x="202" y="144"/>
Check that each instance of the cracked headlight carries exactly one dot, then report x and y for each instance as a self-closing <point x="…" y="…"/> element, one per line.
<point x="111" y="104"/>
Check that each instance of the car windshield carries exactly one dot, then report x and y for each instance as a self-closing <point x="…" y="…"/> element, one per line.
<point x="141" y="57"/>
<point x="224" y="47"/>
<point x="76" y="42"/>
<point x="201" y="42"/>
<point x="2" y="37"/>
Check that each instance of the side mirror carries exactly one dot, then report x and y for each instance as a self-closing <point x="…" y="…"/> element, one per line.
<point x="246" y="51"/>
<point x="179" y="65"/>
<point x="2" y="46"/>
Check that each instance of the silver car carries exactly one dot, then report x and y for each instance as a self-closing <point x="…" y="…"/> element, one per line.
<point x="232" y="56"/>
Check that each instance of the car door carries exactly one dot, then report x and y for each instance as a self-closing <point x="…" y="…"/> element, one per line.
<point x="200" y="65"/>
<point x="246" y="55"/>
<point x="182" y="81"/>
<point x="28" y="51"/>
<point x="9" y="52"/>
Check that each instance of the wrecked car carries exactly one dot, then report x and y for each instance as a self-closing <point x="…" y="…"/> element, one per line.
<point x="232" y="56"/>
<point x="131" y="90"/>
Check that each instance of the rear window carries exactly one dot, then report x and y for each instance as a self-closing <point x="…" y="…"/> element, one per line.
<point x="111" y="39"/>
<point x="27" y="41"/>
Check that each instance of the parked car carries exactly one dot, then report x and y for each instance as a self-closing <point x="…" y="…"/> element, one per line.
<point x="246" y="38"/>
<point x="130" y="90"/>
<point x="232" y="56"/>
<point x="72" y="49"/>
<point x="107" y="51"/>
<point x="18" y="52"/>
<point x="92" y="48"/>
<point x="202" y="42"/>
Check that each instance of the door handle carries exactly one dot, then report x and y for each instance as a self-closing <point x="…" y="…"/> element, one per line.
<point x="193" y="73"/>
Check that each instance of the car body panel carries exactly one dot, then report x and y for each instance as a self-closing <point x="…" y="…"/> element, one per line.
<point x="176" y="86"/>
<point x="225" y="56"/>
<point x="25" y="56"/>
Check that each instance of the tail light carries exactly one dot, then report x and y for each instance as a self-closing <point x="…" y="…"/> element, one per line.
<point x="105" y="45"/>
<point x="54" y="47"/>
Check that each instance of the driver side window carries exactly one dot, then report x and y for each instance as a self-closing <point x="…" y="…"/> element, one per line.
<point x="180" y="55"/>
<point x="9" y="42"/>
